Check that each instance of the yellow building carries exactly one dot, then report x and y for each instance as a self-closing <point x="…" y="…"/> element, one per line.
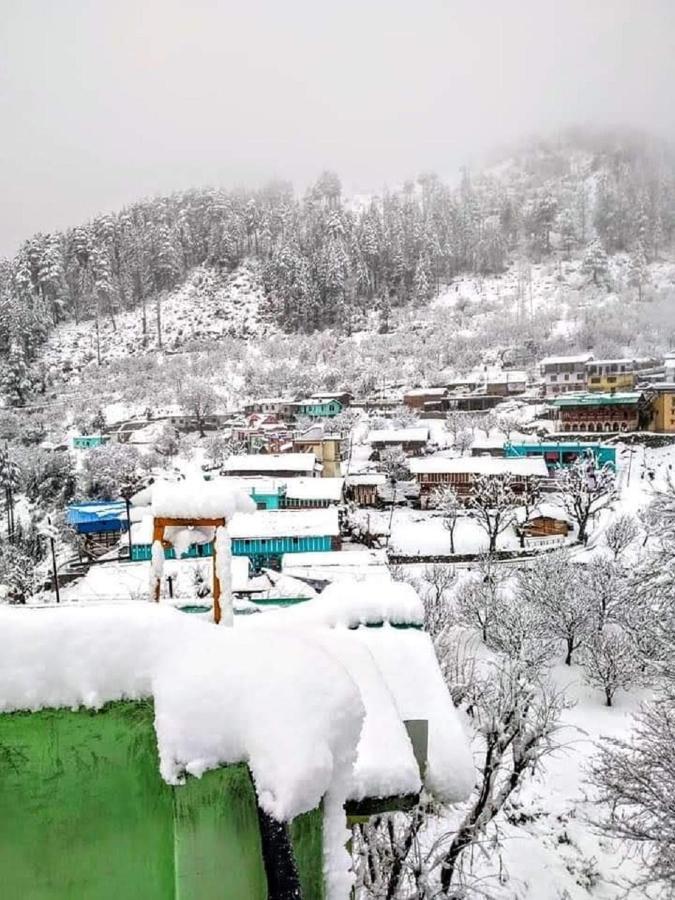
<point x="326" y="447"/>
<point x="607" y="375"/>
<point x="662" y="402"/>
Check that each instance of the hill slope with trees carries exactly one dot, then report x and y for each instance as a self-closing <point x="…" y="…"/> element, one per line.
<point x="324" y="263"/>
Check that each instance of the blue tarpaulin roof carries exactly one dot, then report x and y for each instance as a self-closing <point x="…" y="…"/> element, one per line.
<point x="95" y="516"/>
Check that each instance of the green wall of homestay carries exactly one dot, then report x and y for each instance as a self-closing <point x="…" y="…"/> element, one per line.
<point x="85" y="815"/>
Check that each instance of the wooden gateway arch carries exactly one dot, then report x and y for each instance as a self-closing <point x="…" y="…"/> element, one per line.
<point x="161" y="523"/>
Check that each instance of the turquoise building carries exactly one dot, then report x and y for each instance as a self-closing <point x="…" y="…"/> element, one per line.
<point x="318" y="408"/>
<point x="560" y="454"/>
<point x="264" y="536"/>
<point x="87" y="441"/>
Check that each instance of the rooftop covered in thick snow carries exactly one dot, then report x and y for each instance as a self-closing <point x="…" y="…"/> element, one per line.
<point x="284" y="523"/>
<point x="270" y="462"/>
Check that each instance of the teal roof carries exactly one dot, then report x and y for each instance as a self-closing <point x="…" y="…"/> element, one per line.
<point x="628" y="398"/>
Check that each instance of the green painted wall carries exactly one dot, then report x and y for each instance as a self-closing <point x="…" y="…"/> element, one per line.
<point x="85" y="815"/>
<point x="83" y="810"/>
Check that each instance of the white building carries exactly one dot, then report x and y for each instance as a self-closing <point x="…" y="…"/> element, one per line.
<point x="562" y="374"/>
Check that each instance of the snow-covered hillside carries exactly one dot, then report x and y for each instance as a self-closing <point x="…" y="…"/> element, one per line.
<point x="206" y="308"/>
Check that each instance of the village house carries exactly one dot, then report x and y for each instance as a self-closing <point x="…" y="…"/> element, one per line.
<point x="327" y="448"/>
<point x="560" y="454"/>
<point x="506" y="384"/>
<point x="275" y="406"/>
<point x="472" y="402"/>
<point x="272" y="465"/>
<point x="607" y="375"/>
<point x="412" y="441"/>
<point x="562" y="374"/>
<point x="362" y="488"/>
<point x="265" y="536"/>
<point x="316" y="408"/>
<point x="590" y="412"/>
<point x="432" y="472"/>
<point x="421" y="399"/>
<point x="344" y="398"/>
<point x="312" y="493"/>
<point x="544" y="521"/>
<point x="661" y="399"/>
<point x="88" y="441"/>
<point x="99" y="523"/>
<point x="263" y="436"/>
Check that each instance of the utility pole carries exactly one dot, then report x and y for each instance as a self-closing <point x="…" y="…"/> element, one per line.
<point x="127" y="500"/>
<point x="48" y="530"/>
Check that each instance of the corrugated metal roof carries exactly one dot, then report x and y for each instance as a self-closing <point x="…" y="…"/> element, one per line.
<point x="628" y="398"/>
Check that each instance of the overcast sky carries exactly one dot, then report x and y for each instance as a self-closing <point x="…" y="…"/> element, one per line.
<point x="106" y="101"/>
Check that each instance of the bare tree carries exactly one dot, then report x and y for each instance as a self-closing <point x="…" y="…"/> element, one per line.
<point x="611" y="661"/>
<point x="478" y="596"/>
<point x="620" y="534"/>
<point x="493" y="503"/>
<point x="557" y="588"/>
<point x="506" y="424"/>
<point x="636" y="783"/>
<point x="198" y="399"/>
<point x="394" y="463"/>
<point x="585" y="490"/>
<point x="486" y="423"/>
<point x="463" y="441"/>
<point x="447" y="502"/>
<point x="518" y="718"/>
<point x="529" y="497"/>
<point x="606" y="588"/>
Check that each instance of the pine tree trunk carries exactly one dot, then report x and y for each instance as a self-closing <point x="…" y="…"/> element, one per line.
<point x="159" y="320"/>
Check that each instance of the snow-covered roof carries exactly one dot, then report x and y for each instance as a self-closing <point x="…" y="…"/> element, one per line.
<point x="335" y="559"/>
<point x="479" y="465"/>
<point x="426" y="392"/>
<point x="561" y="360"/>
<point x="544" y="510"/>
<point x="284" y="523"/>
<point x="315" y="488"/>
<point x="509" y="376"/>
<point x="196" y="498"/>
<point x="398" y="435"/>
<point x="406" y="659"/>
<point x="270" y="462"/>
<point x="258" y="483"/>
<point x="367" y="478"/>
<point x="318" y="709"/>
<point x="291" y="692"/>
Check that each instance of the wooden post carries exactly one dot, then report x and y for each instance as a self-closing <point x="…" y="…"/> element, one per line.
<point x="216" y="587"/>
<point x="157" y="535"/>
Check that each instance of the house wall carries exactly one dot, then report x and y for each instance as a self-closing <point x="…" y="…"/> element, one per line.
<point x="98" y="825"/>
<point x="599" y="418"/>
<point x="623" y="381"/>
<point x="363" y="494"/>
<point x="663" y="412"/>
<point x="280" y="545"/>
<point x="563" y="456"/>
<point x="143" y="552"/>
<point x="545" y="526"/>
<point x="462" y="482"/>
<point x="564" y="377"/>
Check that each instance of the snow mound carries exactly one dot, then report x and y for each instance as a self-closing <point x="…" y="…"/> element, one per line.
<point x="276" y="701"/>
<point x="198" y="499"/>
